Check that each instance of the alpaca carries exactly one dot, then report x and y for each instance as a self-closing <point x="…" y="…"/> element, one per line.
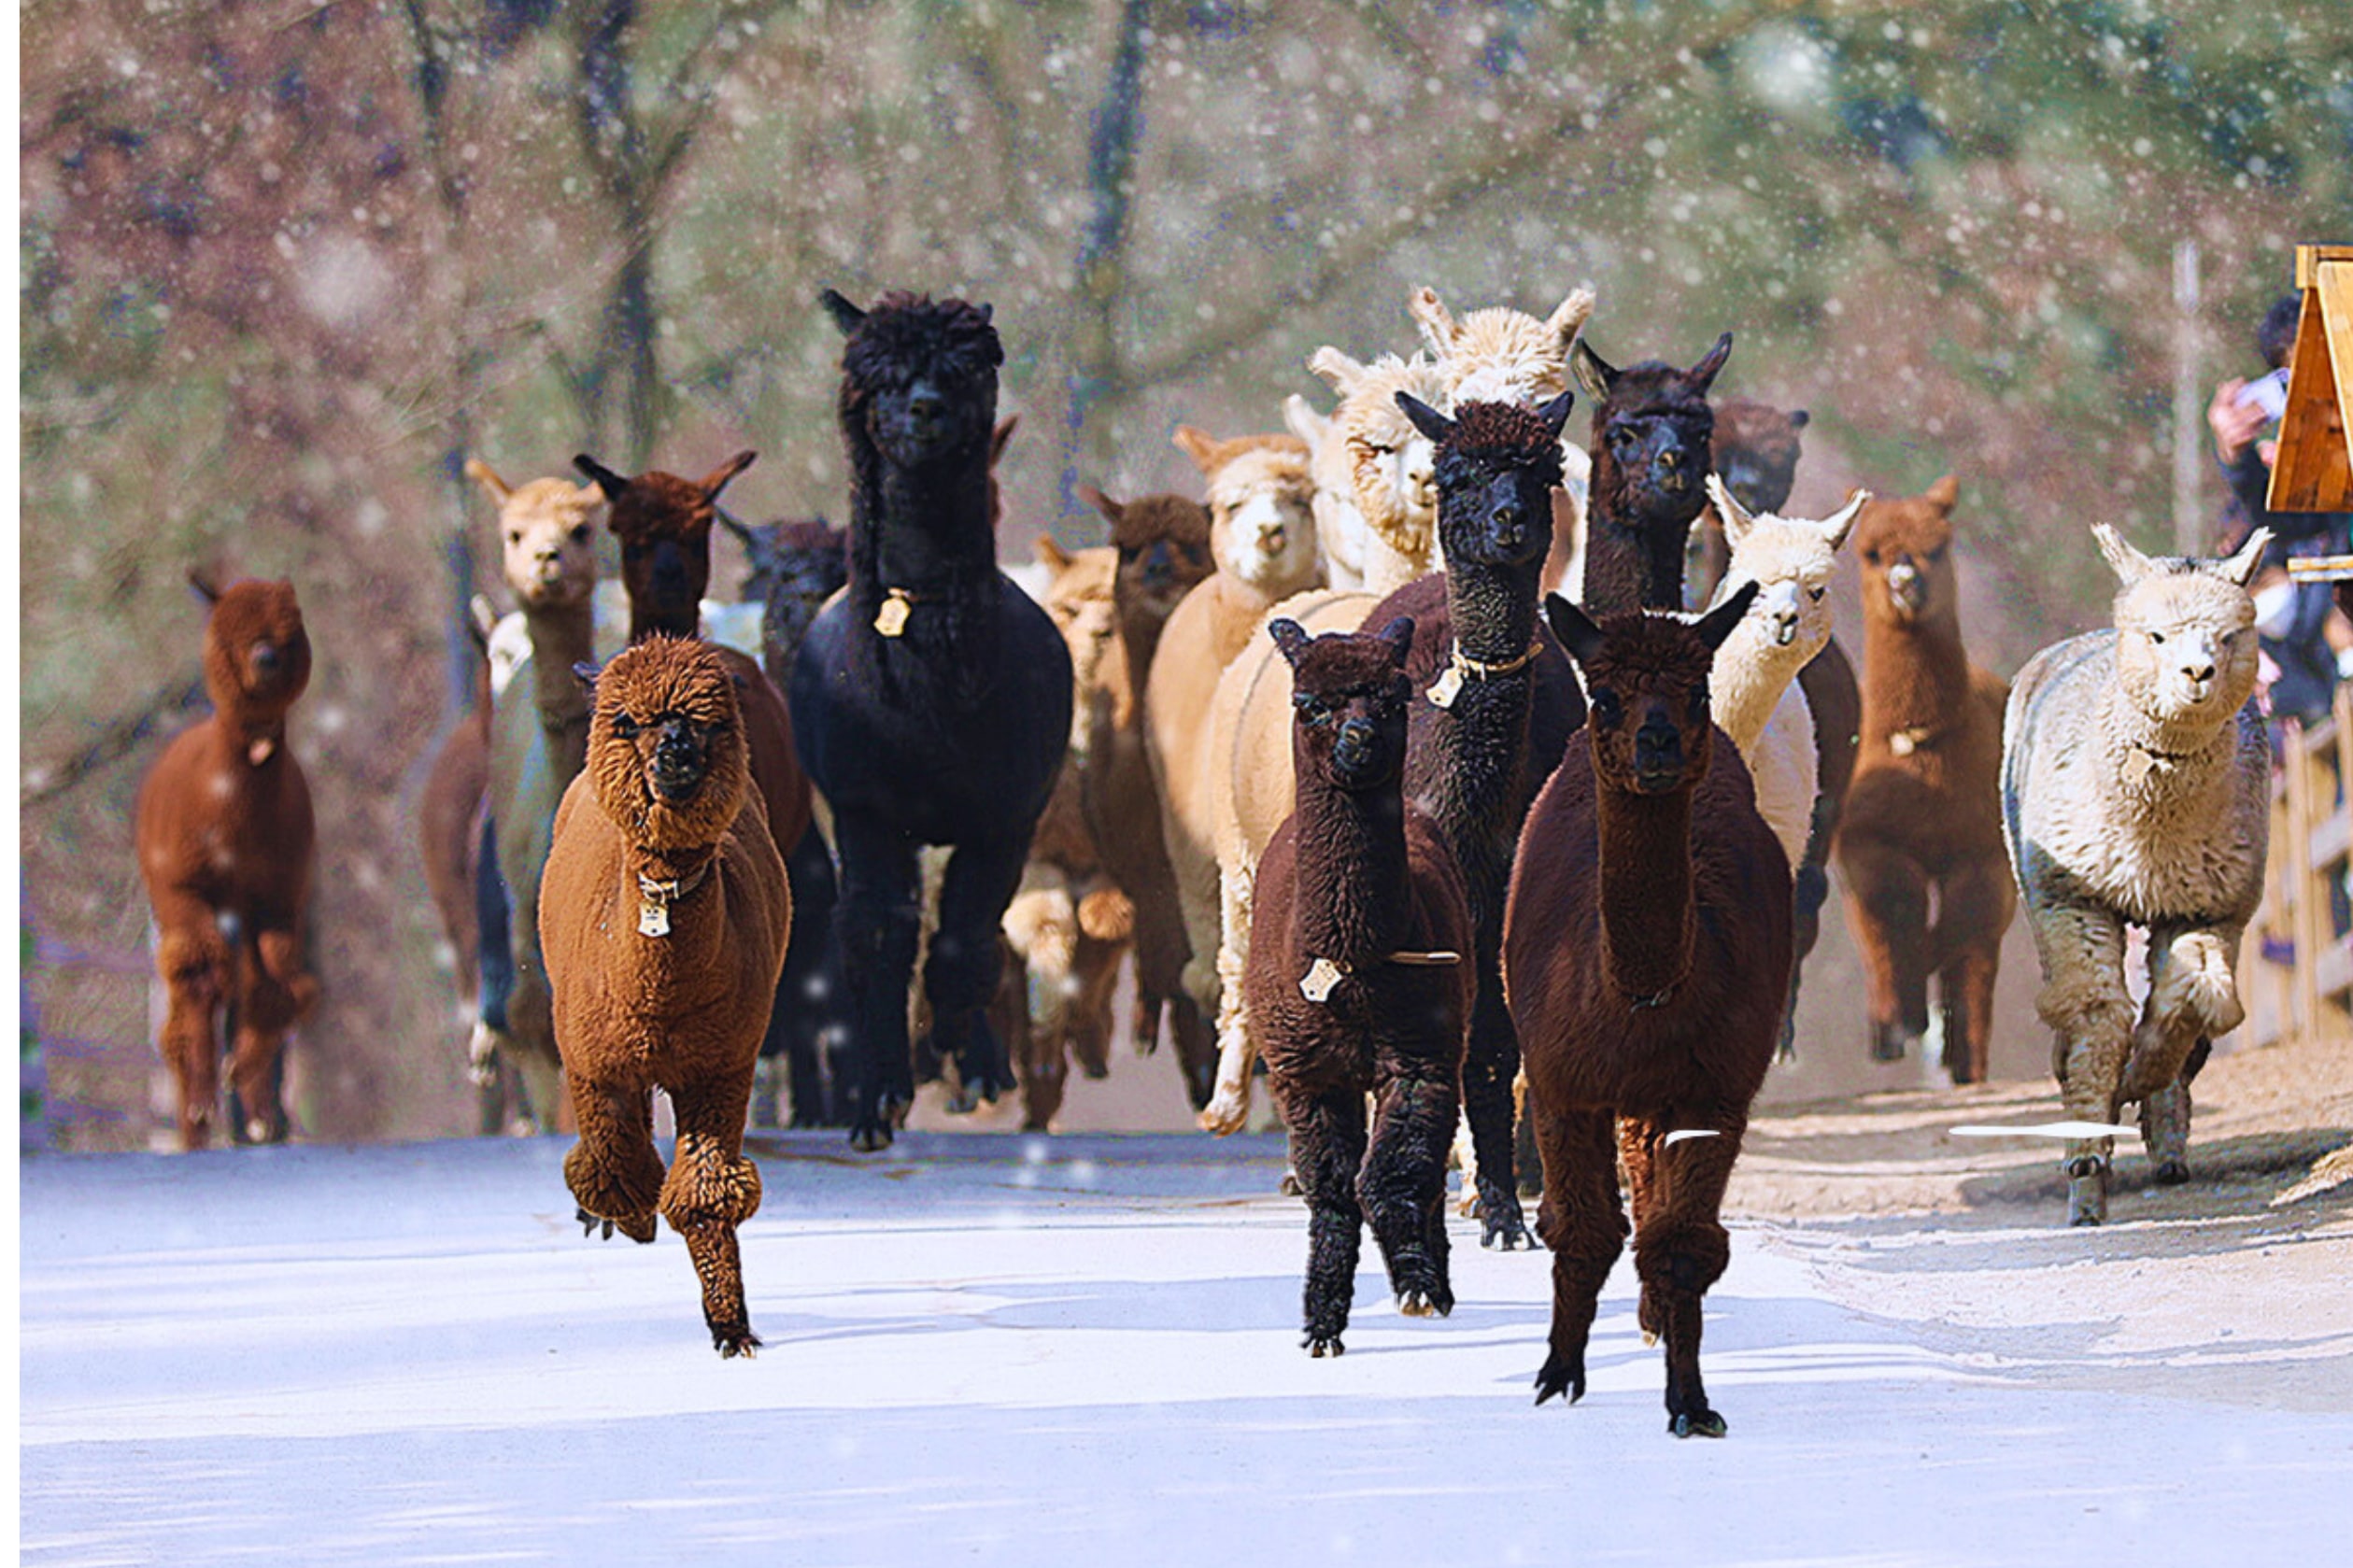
<point x="664" y="923"/>
<point x="2135" y="791"/>
<point x="1647" y="957"/>
<point x="1069" y="923"/>
<point x="450" y="822"/>
<point x="1375" y="481"/>
<point x="539" y="736"/>
<point x="224" y="835"/>
<point x="932" y="698"/>
<point x="1923" y="816"/>
<point x="1756" y="447"/>
<point x="1652" y="434"/>
<point x="1359" y="979"/>
<point x="1164" y="550"/>
<point x="1262" y="535"/>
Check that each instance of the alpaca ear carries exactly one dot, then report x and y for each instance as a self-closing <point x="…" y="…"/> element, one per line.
<point x="2128" y="563"/>
<point x="485" y="476"/>
<point x="1289" y="636"/>
<point x="1717" y="624"/>
<point x="1594" y="372"/>
<point x="1738" y="519"/>
<point x="2241" y="568"/>
<point x="606" y="480"/>
<point x="845" y="315"/>
<point x="1051" y="555"/>
<point x="1196" y="446"/>
<point x="1840" y="523"/>
<point x="1572" y="627"/>
<point x="201" y="579"/>
<point x="1431" y="317"/>
<point x="1555" y="414"/>
<point x="1338" y="370"/>
<point x="1575" y="311"/>
<point x="1301" y="420"/>
<point x="985" y="312"/>
<point x="1429" y="420"/>
<point x="1709" y="363"/>
<point x="1943" y="493"/>
<point x="1799" y="418"/>
<point x="1112" y="511"/>
<point x="1398" y="634"/>
<point x="1000" y="436"/>
<point x="585" y="674"/>
<point x="715" y="481"/>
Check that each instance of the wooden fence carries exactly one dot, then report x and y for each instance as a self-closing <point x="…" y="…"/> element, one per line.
<point x="2296" y="966"/>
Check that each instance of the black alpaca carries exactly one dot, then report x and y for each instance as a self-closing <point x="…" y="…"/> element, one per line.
<point x="795" y="568"/>
<point x="1654" y="434"/>
<point x="1359" y="980"/>
<point x="1496" y="701"/>
<point x="932" y="700"/>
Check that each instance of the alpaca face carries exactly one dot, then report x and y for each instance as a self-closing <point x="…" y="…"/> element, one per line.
<point x="257" y="655"/>
<point x="1392" y="466"/>
<point x="548" y="543"/>
<point x="1646" y="690"/>
<point x="1349" y="696"/>
<point x="666" y="750"/>
<point x="1262" y="519"/>
<point x="1164" y="549"/>
<point x="1079" y="601"/>
<point x="1791" y="560"/>
<point x="1497" y="466"/>
<point x="921" y="376"/>
<point x="802" y="566"/>
<point x="1756" y="449"/>
<point x="664" y="524"/>
<point x="1653" y="434"/>
<point x="2186" y="648"/>
<point x="1905" y="548"/>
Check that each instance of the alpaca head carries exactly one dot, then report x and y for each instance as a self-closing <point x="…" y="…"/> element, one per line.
<point x="1646" y="690"/>
<point x="547" y="537"/>
<point x="663" y="523"/>
<point x="1497" y="466"/>
<point x="666" y="751"/>
<point x="1261" y="500"/>
<point x="1791" y="560"/>
<point x="257" y="656"/>
<point x="1079" y="599"/>
<point x="1905" y="546"/>
<point x="1654" y="432"/>
<point x="796" y="567"/>
<point x="918" y="378"/>
<point x="1391" y="465"/>
<point x="1349" y="694"/>
<point x="1500" y="355"/>
<point x="2185" y="649"/>
<point x="1164" y="550"/>
<point x="1756" y="451"/>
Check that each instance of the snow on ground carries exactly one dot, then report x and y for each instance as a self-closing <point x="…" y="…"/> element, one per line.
<point x="999" y="1349"/>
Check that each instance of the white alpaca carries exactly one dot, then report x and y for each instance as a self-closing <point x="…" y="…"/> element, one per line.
<point x="1376" y="477"/>
<point x="2135" y="788"/>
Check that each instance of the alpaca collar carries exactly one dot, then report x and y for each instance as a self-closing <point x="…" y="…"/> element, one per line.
<point x="655" y="897"/>
<point x="1460" y="666"/>
<point x="2143" y="764"/>
<point x="1325" y="974"/>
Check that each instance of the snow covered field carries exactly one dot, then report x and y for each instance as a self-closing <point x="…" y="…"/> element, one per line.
<point x="999" y="1349"/>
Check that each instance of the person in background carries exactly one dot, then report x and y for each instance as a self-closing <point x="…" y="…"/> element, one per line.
<point x="2293" y="620"/>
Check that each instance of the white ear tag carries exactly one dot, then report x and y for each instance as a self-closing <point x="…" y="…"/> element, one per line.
<point x="1322" y="977"/>
<point x="1448" y="687"/>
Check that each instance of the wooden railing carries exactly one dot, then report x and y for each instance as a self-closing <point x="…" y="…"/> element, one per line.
<point x="2296" y="966"/>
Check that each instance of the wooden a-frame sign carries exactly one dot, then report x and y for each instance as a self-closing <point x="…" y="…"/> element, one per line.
<point x="2313" y="471"/>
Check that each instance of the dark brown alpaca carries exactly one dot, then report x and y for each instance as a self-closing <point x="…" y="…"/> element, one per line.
<point x="1359" y="980"/>
<point x="663" y="914"/>
<point x="1646" y="953"/>
<point x="1922" y="816"/>
<point x="1756" y="449"/>
<point x="224" y="839"/>
<point x="1164" y="550"/>
<point x="1654" y="432"/>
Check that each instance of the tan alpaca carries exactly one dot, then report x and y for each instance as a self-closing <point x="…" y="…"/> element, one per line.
<point x="1376" y="477"/>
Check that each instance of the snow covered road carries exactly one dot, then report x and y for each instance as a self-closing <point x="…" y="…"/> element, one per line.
<point x="1000" y="1349"/>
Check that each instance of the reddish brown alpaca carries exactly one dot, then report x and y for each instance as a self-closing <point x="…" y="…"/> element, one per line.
<point x="663" y="915"/>
<point x="1647" y="957"/>
<point x="1923" y="815"/>
<point x="224" y="839"/>
<point x="1360" y="979"/>
<point x="1164" y="550"/>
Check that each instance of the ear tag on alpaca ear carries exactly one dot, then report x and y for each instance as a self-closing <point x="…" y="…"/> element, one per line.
<point x="1323" y="976"/>
<point x="1448" y="687"/>
<point x="891" y="621"/>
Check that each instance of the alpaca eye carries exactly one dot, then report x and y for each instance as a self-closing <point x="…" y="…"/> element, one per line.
<point x="1936" y="555"/>
<point x="625" y="726"/>
<point x="580" y="534"/>
<point x="1817" y="593"/>
<point x="2157" y="636"/>
<point x="1871" y="557"/>
<point x="1309" y="708"/>
<point x="1606" y="709"/>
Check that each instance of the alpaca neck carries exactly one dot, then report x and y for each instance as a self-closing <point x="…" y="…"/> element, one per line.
<point x="1647" y="921"/>
<point x="2152" y="761"/>
<point x="1493" y="609"/>
<point x="927" y="529"/>
<point x="561" y="635"/>
<point x="1916" y="675"/>
<point x="646" y="621"/>
<point x="1632" y="561"/>
<point x="255" y="730"/>
<point x="1746" y="682"/>
<point x="1352" y="891"/>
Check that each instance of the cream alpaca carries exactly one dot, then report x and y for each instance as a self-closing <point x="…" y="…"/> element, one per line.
<point x="1376" y="477"/>
<point x="2135" y="776"/>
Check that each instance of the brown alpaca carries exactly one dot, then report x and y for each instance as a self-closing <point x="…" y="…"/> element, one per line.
<point x="1924" y="816"/>
<point x="1646" y="957"/>
<point x="664" y="913"/>
<point x="450" y="823"/>
<point x="224" y="839"/>
<point x="1359" y="980"/>
<point x="1164" y="549"/>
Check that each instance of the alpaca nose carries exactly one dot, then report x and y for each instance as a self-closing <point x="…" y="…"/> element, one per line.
<point x="1669" y="468"/>
<point x="1658" y="754"/>
<point x="1784" y="629"/>
<point x="924" y="406"/>
<point x="1158" y="570"/>
<point x="1353" y="751"/>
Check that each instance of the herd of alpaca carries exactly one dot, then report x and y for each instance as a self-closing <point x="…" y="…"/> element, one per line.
<point x="1319" y="758"/>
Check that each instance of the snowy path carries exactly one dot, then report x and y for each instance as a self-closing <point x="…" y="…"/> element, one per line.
<point x="987" y="1349"/>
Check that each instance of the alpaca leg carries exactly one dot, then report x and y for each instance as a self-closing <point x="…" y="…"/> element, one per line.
<point x="1581" y="1221"/>
<point x="1809" y="889"/>
<point x="195" y="964"/>
<point x="1680" y="1249"/>
<point x="1034" y="1036"/>
<point x="1095" y="974"/>
<point x="1974" y="907"/>
<point x="1402" y="1187"/>
<point x="1196" y="1051"/>
<point x="1229" y="1107"/>
<point x="2193" y="1000"/>
<point x="966" y="958"/>
<point x="878" y="923"/>
<point x="815" y="1020"/>
<point x="712" y="1189"/>
<point x="1327" y="1150"/>
<point x="531" y="1030"/>
<point x="2083" y="1001"/>
<point x="1887" y="909"/>
<point x="1637" y="1158"/>
<point x="489" y="1045"/>
<point x="1489" y="1067"/>
<point x="613" y="1171"/>
<point x="273" y="993"/>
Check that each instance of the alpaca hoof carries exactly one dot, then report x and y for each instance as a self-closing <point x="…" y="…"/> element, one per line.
<point x="871" y="1135"/>
<point x="589" y="1223"/>
<point x="1289" y="1186"/>
<point x="1561" y="1377"/>
<point x="2172" y="1172"/>
<point x="1501" y="1226"/>
<point x="1224" y="1113"/>
<point x="736" y="1339"/>
<point x="2087" y="1199"/>
<point x="1319" y="1345"/>
<point x="1698" y="1423"/>
<point x="1891" y="1042"/>
<point x="1433" y="1301"/>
